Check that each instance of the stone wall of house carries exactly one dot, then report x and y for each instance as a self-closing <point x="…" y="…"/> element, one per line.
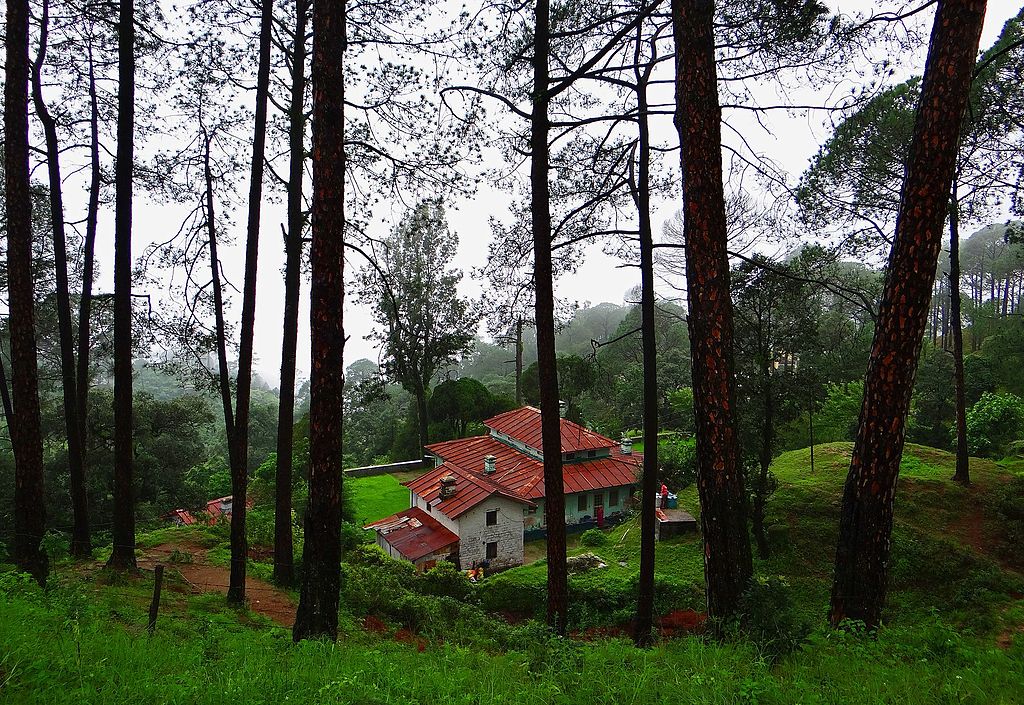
<point x="474" y="534"/>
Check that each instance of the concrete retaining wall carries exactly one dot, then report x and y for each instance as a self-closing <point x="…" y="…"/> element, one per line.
<point x="404" y="466"/>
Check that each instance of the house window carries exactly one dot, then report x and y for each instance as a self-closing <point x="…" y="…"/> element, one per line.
<point x="591" y="453"/>
<point x="613" y="498"/>
<point x="533" y="510"/>
<point x="570" y="456"/>
<point x="492" y="517"/>
<point x="598" y="500"/>
<point x="492" y="550"/>
<point x="581" y="504"/>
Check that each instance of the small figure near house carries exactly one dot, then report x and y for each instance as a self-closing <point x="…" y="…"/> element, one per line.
<point x="664" y="496"/>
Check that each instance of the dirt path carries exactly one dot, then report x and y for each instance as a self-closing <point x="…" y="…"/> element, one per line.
<point x="203" y="576"/>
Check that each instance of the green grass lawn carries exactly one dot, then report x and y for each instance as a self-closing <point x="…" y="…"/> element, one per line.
<point x="377" y="497"/>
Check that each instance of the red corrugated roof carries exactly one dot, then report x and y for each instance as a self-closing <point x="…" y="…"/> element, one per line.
<point x="414" y="533"/>
<point x="524" y="475"/>
<point x="470" y="489"/>
<point x="523" y="424"/>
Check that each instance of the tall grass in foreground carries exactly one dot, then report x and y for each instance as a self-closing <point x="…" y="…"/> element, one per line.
<point x="74" y="647"/>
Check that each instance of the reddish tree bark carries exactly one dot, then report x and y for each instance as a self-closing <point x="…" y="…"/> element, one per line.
<point x="544" y="306"/>
<point x="80" y="543"/>
<point x="862" y="555"/>
<point x="123" y="530"/>
<point x="727" y="561"/>
<point x="26" y="438"/>
<point x="321" y="571"/>
<point x="284" y="571"/>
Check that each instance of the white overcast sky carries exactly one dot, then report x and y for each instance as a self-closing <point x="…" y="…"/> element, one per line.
<point x="792" y="140"/>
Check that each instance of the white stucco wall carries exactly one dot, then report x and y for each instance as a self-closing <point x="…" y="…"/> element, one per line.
<point x="448" y="523"/>
<point x="573" y="514"/>
<point x="474" y="534"/>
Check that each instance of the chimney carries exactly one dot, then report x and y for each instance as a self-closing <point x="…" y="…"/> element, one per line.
<point x="563" y="407"/>
<point x="626" y="445"/>
<point x="490" y="464"/>
<point x="447" y="487"/>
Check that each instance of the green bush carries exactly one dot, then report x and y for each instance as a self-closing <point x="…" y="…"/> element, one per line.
<point x="1009" y="507"/>
<point x="445" y="580"/>
<point x="353" y="536"/>
<point x="593" y="537"/>
<point x="769" y="618"/>
<point x="678" y="460"/>
<point x="994" y="422"/>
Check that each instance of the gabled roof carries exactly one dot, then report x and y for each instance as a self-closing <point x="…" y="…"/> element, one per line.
<point x="414" y="533"/>
<point x="523" y="475"/>
<point x="523" y="425"/>
<point x="470" y="490"/>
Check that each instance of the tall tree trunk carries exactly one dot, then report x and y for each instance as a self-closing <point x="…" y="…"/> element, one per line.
<point x="220" y="329"/>
<point x="765" y="459"/>
<point x="422" y="417"/>
<point x="643" y="635"/>
<point x="544" y="306"/>
<point x="321" y="564"/>
<point x="69" y="387"/>
<point x="810" y="426"/>
<point x="963" y="471"/>
<point x="123" y="534"/>
<point x="240" y="469"/>
<point x="81" y="538"/>
<point x="284" y="572"/>
<point x="519" y="362"/>
<point x="5" y="395"/>
<point x="862" y="555"/>
<point x="728" y="564"/>
<point x="26" y="437"/>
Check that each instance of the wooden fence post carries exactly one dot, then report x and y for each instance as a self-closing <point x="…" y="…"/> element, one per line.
<point x="154" y="607"/>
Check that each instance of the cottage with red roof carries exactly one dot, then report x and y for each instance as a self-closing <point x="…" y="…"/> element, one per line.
<point x="486" y="492"/>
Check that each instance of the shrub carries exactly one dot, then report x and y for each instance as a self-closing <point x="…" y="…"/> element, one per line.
<point x="445" y="580"/>
<point x="1008" y="503"/>
<point x="994" y="422"/>
<point x="769" y="618"/>
<point x="353" y="536"/>
<point x="593" y="537"/>
<point x="678" y="459"/>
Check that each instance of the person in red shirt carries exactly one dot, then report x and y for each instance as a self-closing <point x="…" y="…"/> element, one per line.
<point x="664" y="495"/>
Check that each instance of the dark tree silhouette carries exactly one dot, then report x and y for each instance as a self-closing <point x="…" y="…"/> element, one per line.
<point x="544" y="305"/>
<point x="862" y="555"/>
<point x="284" y="572"/>
<point x="80" y="542"/>
<point x="727" y="561"/>
<point x="123" y="533"/>
<point x="317" y="614"/>
<point x="26" y="439"/>
<point x="240" y="439"/>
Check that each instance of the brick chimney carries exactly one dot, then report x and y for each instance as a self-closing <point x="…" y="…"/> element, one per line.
<point x="448" y="489"/>
<point x="490" y="464"/>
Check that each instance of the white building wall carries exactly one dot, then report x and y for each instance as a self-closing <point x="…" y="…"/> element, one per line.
<point x="446" y="521"/>
<point x="474" y="534"/>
